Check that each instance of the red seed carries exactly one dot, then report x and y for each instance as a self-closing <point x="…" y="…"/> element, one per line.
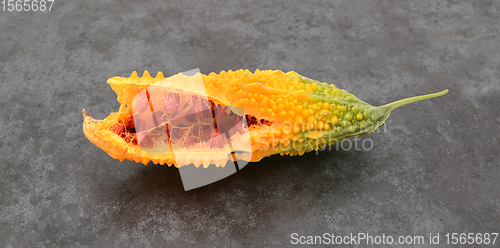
<point x="130" y="122"/>
<point x="171" y="105"/>
<point x="132" y="138"/>
<point x="199" y="107"/>
<point x="216" y="139"/>
<point x="144" y="140"/>
<point x="159" y="116"/>
<point x="141" y="103"/>
<point x="117" y="128"/>
<point x="188" y="141"/>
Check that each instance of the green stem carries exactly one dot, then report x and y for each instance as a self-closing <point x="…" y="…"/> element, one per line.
<point x="394" y="105"/>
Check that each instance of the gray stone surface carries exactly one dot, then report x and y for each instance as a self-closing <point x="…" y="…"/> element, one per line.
<point x="434" y="168"/>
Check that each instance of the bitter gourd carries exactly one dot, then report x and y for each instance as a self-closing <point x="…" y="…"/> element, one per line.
<point x="284" y="113"/>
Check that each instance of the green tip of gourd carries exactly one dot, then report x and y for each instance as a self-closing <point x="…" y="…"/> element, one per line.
<point x="394" y="105"/>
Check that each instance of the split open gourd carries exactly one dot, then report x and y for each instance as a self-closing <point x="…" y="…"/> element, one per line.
<point x="273" y="111"/>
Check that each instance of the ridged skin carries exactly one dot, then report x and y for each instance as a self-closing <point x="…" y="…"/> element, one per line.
<point x="294" y="115"/>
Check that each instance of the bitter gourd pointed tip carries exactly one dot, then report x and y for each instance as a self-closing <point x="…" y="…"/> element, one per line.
<point x="87" y="119"/>
<point x="134" y="75"/>
<point x="146" y="75"/>
<point x="159" y="75"/>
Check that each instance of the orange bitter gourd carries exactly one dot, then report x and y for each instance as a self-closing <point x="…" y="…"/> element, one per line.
<point x="285" y="113"/>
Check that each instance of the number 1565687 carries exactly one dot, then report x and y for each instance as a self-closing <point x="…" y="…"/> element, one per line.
<point x="27" y="5"/>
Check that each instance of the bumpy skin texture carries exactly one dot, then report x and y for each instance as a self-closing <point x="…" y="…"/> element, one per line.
<point x="288" y="114"/>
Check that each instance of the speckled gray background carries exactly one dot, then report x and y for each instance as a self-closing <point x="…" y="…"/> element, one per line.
<point x="434" y="168"/>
